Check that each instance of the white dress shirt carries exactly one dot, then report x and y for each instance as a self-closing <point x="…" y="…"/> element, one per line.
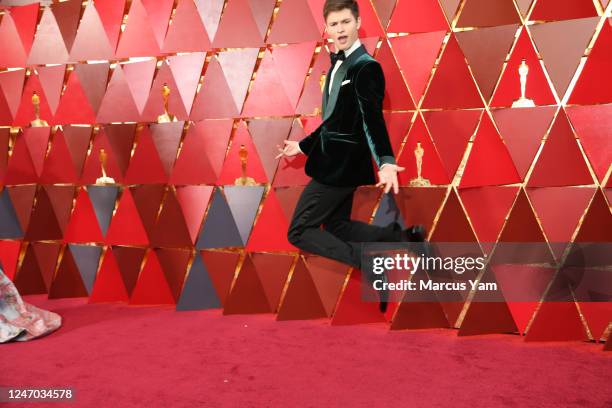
<point x="347" y="52"/>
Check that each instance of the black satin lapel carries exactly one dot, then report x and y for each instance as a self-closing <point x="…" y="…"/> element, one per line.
<point x="339" y="76"/>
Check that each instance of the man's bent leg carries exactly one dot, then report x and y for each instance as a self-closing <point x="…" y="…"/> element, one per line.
<point x="341" y="225"/>
<point x="316" y="204"/>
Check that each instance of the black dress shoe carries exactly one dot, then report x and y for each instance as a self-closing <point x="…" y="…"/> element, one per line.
<point x="415" y="233"/>
<point x="383" y="294"/>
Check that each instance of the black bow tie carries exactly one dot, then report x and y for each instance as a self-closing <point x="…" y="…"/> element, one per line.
<point x="337" y="56"/>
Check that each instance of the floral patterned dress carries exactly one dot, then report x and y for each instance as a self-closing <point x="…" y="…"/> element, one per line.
<point x="21" y="321"/>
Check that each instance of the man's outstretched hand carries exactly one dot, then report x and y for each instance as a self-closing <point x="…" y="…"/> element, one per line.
<point x="387" y="177"/>
<point x="291" y="149"/>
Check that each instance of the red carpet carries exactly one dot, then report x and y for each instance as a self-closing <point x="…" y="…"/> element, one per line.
<point x="119" y="356"/>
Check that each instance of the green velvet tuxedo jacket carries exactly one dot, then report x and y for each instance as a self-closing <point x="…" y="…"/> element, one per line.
<point x="353" y="130"/>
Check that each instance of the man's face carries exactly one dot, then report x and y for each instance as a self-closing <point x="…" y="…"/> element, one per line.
<point x="342" y="28"/>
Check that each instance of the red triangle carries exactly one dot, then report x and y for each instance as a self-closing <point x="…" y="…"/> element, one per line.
<point x="20" y="169"/>
<point x="588" y="88"/>
<point x="301" y="300"/>
<point x="22" y="197"/>
<point x="129" y="261"/>
<point x="187" y="70"/>
<point x="52" y="80"/>
<point x="487" y="208"/>
<point x="215" y="98"/>
<point x="416" y="55"/>
<point x="11" y="85"/>
<point x="312" y="95"/>
<point x="152" y="287"/>
<point x="232" y="166"/>
<point x="523" y="145"/>
<point x="170" y="229"/>
<point x="452" y="224"/>
<point x="328" y="276"/>
<point x="116" y="140"/>
<point x="509" y="87"/>
<point x="417" y="16"/>
<point x="292" y="63"/>
<point x="247" y="294"/>
<point x="126" y="226"/>
<point x="351" y="309"/>
<point x="37" y="140"/>
<point x="295" y="23"/>
<point x="139" y="77"/>
<point x="25" y="113"/>
<point x="452" y="85"/>
<point x="148" y="199"/>
<point x="186" y="33"/>
<point x="273" y="271"/>
<point x="527" y="280"/>
<point x="268" y="96"/>
<point x="59" y="167"/>
<point x="450" y="132"/>
<point x="268" y="132"/>
<point x="109" y="286"/>
<point x="202" y="155"/>
<point x="5" y="135"/>
<point x="155" y="103"/>
<point x="83" y="225"/>
<point x="560" y="222"/>
<point x="560" y="162"/>
<point x="111" y="15"/>
<point x="221" y="268"/>
<point x="420" y="205"/>
<point x="397" y="95"/>
<point x="91" y="42"/>
<point x="5" y="110"/>
<point x="159" y="12"/>
<point x="67" y="282"/>
<point x="146" y="166"/>
<point x="48" y="46"/>
<point x="43" y="223"/>
<point x="597" y="222"/>
<point x="521" y="224"/>
<point x="270" y="230"/>
<point x="238" y="13"/>
<point x="483" y="13"/>
<point x="287" y="198"/>
<point x="592" y="124"/>
<point x="557" y="321"/>
<point x="290" y="171"/>
<point x="489" y="162"/>
<point x="194" y="202"/>
<point x="61" y="198"/>
<point x="138" y="38"/>
<point x="118" y="103"/>
<point x="432" y="168"/>
<point x="486" y="318"/>
<point x="9" y="255"/>
<point x="29" y="280"/>
<point x="17" y="32"/>
<point x="549" y="10"/>
<point x="74" y="106"/>
<point x="174" y="265"/>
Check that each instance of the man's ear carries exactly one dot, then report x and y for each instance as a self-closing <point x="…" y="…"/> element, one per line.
<point x="358" y="22"/>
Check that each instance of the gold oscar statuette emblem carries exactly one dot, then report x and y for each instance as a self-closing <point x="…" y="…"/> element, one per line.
<point x="166" y="117"/>
<point x="244" y="180"/>
<point x="419" y="181"/>
<point x="523" y="101"/>
<point x="104" y="180"/>
<point x="37" y="122"/>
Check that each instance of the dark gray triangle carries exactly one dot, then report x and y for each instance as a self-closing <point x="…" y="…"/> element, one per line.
<point x="219" y="228"/>
<point x="244" y="202"/>
<point x="388" y="212"/>
<point x="103" y="200"/>
<point x="9" y="224"/>
<point x="198" y="292"/>
<point x="86" y="258"/>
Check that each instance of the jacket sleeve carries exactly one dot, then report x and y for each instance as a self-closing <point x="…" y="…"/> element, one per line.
<point x="370" y="90"/>
<point x="308" y="142"/>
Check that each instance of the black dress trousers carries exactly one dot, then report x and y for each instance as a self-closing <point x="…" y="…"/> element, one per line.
<point x="340" y="237"/>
